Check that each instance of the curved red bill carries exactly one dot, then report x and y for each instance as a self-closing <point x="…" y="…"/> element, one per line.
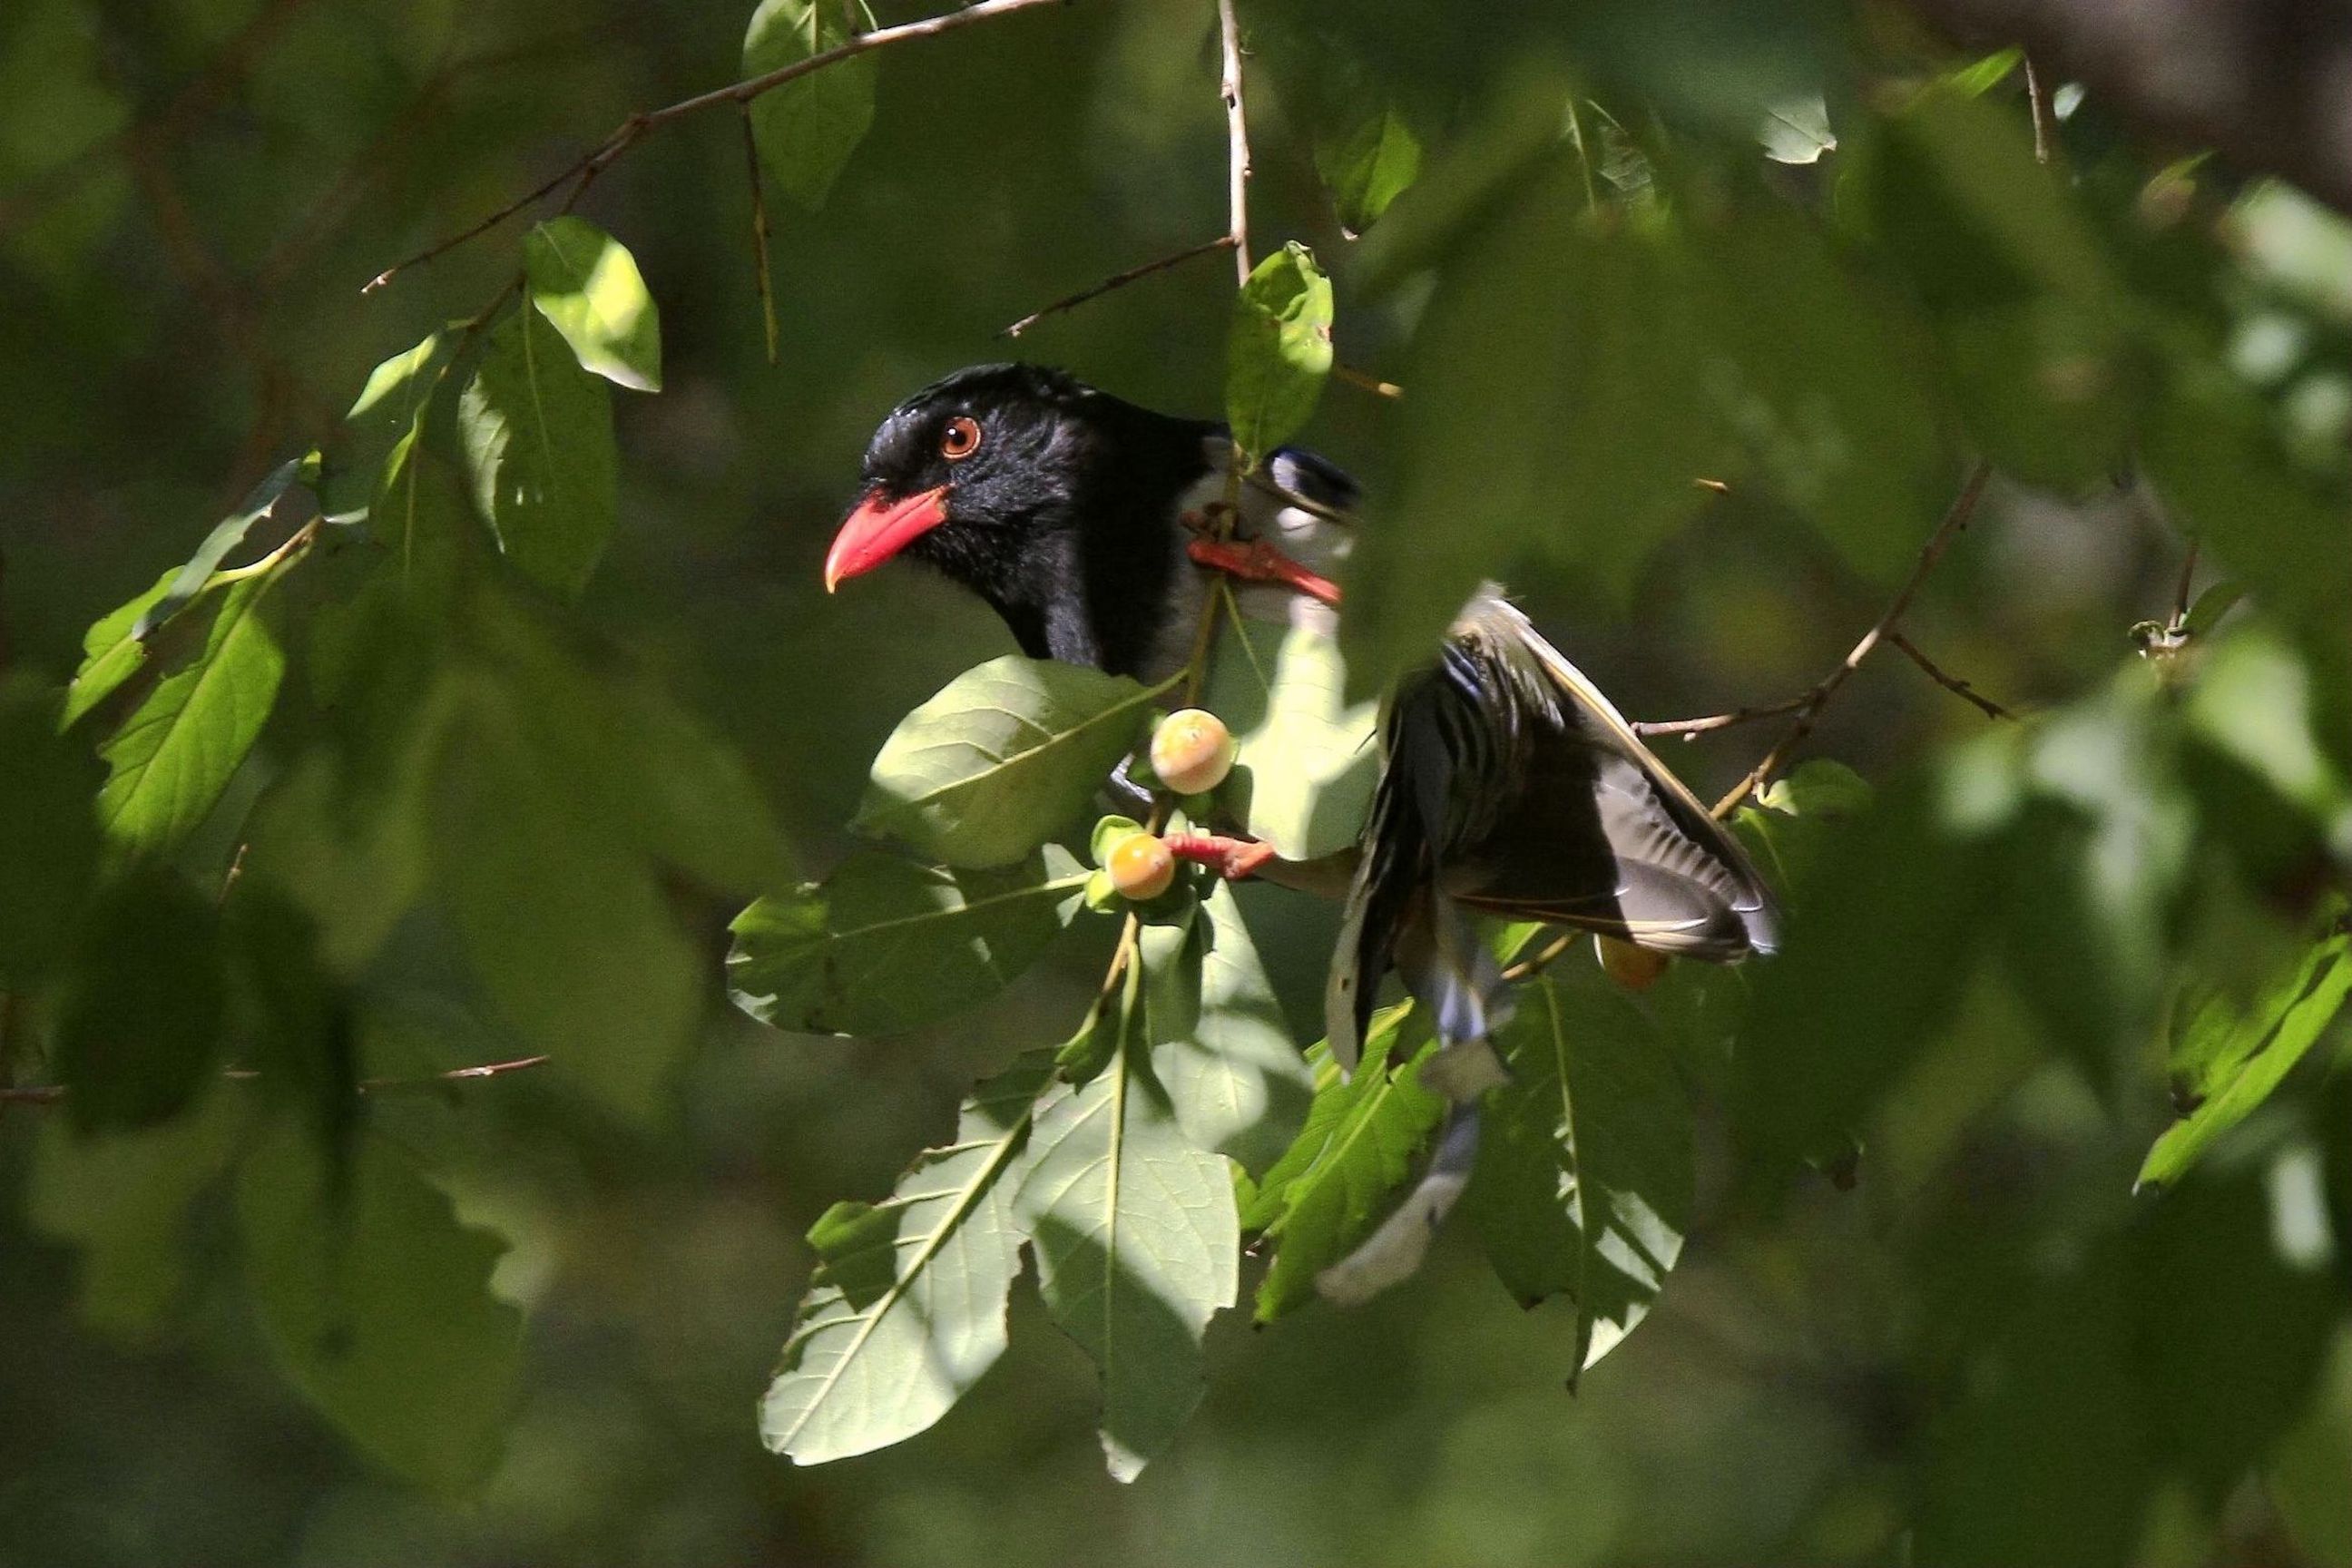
<point x="878" y="529"/>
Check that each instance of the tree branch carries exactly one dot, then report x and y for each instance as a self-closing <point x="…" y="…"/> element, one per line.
<point x="583" y="172"/>
<point x="1809" y="707"/>
<point x="1237" y="152"/>
<point x="1948" y="681"/>
<point x="1118" y="280"/>
<point x="50" y="1093"/>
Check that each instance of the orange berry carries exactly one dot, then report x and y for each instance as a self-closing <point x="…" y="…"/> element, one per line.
<point x="1141" y="868"/>
<point x="1192" y="752"/>
<point x="1634" y="968"/>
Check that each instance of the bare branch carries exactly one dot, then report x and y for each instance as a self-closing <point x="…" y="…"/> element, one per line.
<point x="2045" y="127"/>
<point x="1689" y="728"/>
<point x="1945" y="678"/>
<point x="1117" y="281"/>
<point x="585" y="170"/>
<point x="1370" y="383"/>
<point x="1526" y="967"/>
<point x="1237" y="152"/>
<point x="50" y="1093"/>
<point x="759" y="233"/>
<point x="1809" y="706"/>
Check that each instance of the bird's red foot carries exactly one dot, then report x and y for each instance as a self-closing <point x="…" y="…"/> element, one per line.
<point x="1258" y="562"/>
<point x="1234" y="859"/>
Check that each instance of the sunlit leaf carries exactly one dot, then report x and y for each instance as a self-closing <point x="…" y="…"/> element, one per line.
<point x="377" y="1302"/>
<point x="1136" y="1238"/>
<point x="173" y="756"/>
<point x="1004" y="755"/>
<point x="907" y="1307"/>
<point x="1331" y="1188"/>
<point x="225" y="536"/>
<point x="1305" y="758"/>
<point x="806" y="129"/>
<point x="884" y="945"/>
<point x="1279" y="351"/>
<point x="1585" y="1179"/>
<point x="1797" y="129"/>
<point x="2228" y="1062"/>
<point x="538" y="432"/>
<point x="385" y="422"/>
<point x="587" y="285"/>
<point x="1219" y="1044"/>
<point x="1368" y="163"/>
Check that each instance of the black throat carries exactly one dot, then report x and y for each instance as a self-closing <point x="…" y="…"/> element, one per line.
<point x="1090" y="577"/>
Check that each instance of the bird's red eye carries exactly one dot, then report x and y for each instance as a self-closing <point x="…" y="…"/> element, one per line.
<point x="960" y="439"/>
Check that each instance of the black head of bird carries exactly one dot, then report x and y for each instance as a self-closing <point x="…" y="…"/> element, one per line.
<point x="1049" y="500"/>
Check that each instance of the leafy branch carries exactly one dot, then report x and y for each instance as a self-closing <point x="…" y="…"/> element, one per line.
<point x="582" y="171"/>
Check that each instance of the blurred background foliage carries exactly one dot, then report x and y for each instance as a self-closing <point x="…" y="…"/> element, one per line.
<point x="2005" y="983"/>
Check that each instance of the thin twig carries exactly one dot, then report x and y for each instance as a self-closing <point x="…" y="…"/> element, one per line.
<point x="1118" y="280"/>
<point x="1370" y="383"/>
<point x="584" y="169"/>
<point x="1809" y="709"/>
<point x="50" y="1093"/>
<point x="760" y="233"/>
<point x="1527" y="967"/>
<point x="1945" y="678"/>
<point x="1687" y="728"/>
<point x="1237" y="152"/>
<point x="2038" y="104"/>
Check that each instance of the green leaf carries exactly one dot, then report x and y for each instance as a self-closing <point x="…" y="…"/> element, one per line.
<point x="1557" y="408"/>
<point x="1305" y="760"/>
<point x="48" y="836"/>
<point x="1278" y="350"/>
<point x="384" y="424"/>
<point x="806" y="129"/>
<point x="564" y="921"/>
<point x="121" y="1199"/>
<point x="537" y="434"/>
<point x="1585" y="1177"/>
<point x="1980" y="77"/>
<point x="1137" y="1242"/>
<point x="2216" y="601"/>
<point x="111" y="652"/>
<point x="906" y="1309"/>
<point x="1797" y="129"/>
<point x="377" y="1301"/>
<point x="1367" y="162"/>
<point x="1219" y="1042"/>
<point x="1826" y="390"/>
<point x="1864" y="979"/>
<point x="885" y="945"/>
<point x="173" y="756"/>
<point x="225" y="536"/>
<point x="142" y="1024"/>
<point x="1329" y="1189"/>
<point x="1004" y="755"/>
<point x="2228" y="1062"/>
<point x="587" y="285"/>
<point x="2210" y="450"/>
<point x="1818" y="786"/>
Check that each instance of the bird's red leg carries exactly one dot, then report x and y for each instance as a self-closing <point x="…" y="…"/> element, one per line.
<point x="1258" y="562"/>
<point x="1234" y="859"/>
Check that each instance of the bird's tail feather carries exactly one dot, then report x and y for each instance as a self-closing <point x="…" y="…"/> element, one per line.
<point x="1391" y="1254"/>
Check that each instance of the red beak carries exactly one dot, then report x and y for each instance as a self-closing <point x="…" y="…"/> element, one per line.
<point x="880" y="529"/>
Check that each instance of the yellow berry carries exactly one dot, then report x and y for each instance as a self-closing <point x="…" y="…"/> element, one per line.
<point x="1141" y="868"/>
<point x="1192" y="752"/>
<point x="1634" y="968"/>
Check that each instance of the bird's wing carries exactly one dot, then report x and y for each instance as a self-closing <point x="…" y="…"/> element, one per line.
<point x="1597" y="832"/>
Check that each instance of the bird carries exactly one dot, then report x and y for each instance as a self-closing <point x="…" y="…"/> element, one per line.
<point x="1509" y="785"/>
